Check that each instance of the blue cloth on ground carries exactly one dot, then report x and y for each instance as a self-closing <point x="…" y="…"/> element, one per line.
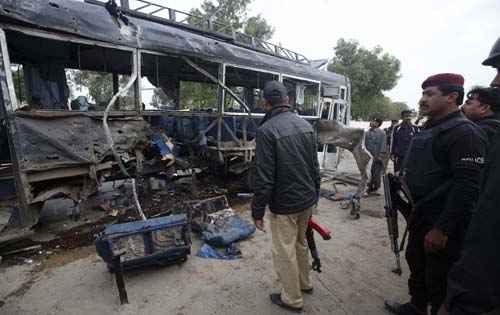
<point x="233" y="229"/>
<point x="230" y="252"/>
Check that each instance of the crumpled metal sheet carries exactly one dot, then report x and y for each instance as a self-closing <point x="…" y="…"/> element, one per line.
<point x="94" y="22"/>
<point x="352" y="139"/>
<point x="72" y="140"/>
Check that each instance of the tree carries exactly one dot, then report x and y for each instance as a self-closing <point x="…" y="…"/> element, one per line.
<point x="198" y="95"/>
<point x="396" y="108"/>
<point x="258" y="27"/>
<point x="226" y="16"/>
<point x="228" y="12"/>
<point x="100" y="88"/>
<point x="371" y="72"/>
<point x="232" y="13"/>
<point x="100" y="85"/>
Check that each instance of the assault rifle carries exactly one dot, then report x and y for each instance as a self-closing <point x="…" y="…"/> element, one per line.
<point x="325" y="233"/>
<point x="398" y="199"/>
<point x="391" y="215"/>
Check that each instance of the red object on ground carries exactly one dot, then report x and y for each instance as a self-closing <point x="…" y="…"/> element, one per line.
<point x="321" y="229"/>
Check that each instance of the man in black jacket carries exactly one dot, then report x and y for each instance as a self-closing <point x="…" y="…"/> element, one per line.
<point x="287" y="180"/>
<point x="474" y="281"/>
<point x="442" y="170"/>
<point x="401" y="138"/>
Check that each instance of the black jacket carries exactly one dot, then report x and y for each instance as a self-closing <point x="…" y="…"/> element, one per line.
<point x="401" y="138"/>
<point x="474" y="281"/>
<point x="454" y="153"/>
<point x="491" y="126"/>
<point x="287" y="169"/>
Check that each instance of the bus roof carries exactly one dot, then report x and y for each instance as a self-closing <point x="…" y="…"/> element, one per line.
<point x="92" y="21"/>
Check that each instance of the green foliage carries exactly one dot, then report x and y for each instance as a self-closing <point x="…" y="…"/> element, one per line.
<point x="371" y="72"/>
<point x="233" y="14"/>
<point x="396" y="109"/>
<point x="198" y="95"/>
<point x="227" y="12"/>
<point x="222" y="12"/>
<point x="258" y="27"/>
<point x="100" y="85"/>
<point x="382" y="107"/>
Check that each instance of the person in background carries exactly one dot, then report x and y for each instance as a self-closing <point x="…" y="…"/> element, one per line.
<point x="388" y="133"/>
<point x="375" y="143"/>
<point x="287" y="180"/>
<point x="401" y="138"/>
<point x="388" y="141"/>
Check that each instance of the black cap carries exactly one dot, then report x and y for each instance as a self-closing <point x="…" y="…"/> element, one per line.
<point x="274" y="92"/>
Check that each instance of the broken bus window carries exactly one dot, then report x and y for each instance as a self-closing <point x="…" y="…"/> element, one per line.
<point x="303" y="95"/>
<point x="169" y="83"/>
<point x="58" y="75"/>
<point x="247" y="84"/>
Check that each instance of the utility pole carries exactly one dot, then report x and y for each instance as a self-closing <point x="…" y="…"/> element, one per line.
<point x="125" y="4"/>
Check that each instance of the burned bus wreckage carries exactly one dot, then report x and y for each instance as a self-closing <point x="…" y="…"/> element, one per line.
<point x="177" y="92"/>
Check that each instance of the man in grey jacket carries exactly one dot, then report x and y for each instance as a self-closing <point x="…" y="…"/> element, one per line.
<point x="375" y="144"/>
<point x="287" y="180"/>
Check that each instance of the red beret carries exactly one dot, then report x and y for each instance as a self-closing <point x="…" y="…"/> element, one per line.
<point x="444" y="79"/>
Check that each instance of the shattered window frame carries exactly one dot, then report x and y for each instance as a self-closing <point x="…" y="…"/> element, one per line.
<point x="177" y="102"/>
<point x="71" y="42"/>
<point x="257" y="70"/>
<point x="318" y="95"/>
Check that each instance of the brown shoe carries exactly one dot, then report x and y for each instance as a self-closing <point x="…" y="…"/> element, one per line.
<point x="276" y="299"/>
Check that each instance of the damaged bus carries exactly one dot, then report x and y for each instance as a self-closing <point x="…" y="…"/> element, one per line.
<point x="168" y="84"/>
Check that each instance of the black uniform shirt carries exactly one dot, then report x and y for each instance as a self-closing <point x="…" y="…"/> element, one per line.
<point x="401" y="138"/>
<point x="461" y="150"/>
<point x="474" y="281"/>
<point x="490" y="125"/>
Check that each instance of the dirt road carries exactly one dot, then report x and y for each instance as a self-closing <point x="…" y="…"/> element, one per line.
<point x="355" y="280"/>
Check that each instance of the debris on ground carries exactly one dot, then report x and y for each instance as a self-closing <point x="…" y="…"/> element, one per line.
<point x="229" y="252"/>
<point x="336" y="195"/>
<point x="155" y="241"/>
<point x="226" y="229"/>
<point x="114" y="204"/>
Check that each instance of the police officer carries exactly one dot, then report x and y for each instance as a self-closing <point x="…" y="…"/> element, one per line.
<point x="401" y="138"/>
<point x="483" y="107"/>
<point x="442" y="171"/>
<point x="474" y="281"/>
<point x="287" y="180"/>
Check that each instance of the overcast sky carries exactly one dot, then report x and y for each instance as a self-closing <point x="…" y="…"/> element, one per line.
<point x="427" y="36"/>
